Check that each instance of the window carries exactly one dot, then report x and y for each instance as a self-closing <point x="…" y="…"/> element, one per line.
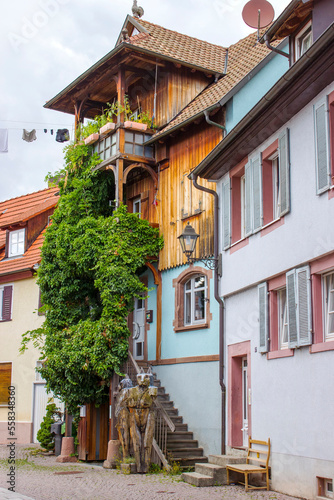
<point x="303" y="40"/>
<point x="16" y="243"/>
<point x="6" y="294"/>
<point x="324" y="142"/>
<point x="191" y="198"/>
<point x="134" y="144"/>
<point x="5" y="382"/>
<point x="285" y="311"/>
<point x="136" y="207"/>
<point x="192" y="299"/>
<point x="328" y="305"/>
<point x="106" y="148"/>
<point x="282" y="318"/>
<point x="257" y="192"/>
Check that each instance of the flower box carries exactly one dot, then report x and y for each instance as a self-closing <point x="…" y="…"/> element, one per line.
<point x="107" y="128"/>
<point x="135" y="125"/>
<point x="91" y="139"/>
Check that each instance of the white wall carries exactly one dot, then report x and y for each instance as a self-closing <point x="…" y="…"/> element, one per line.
<point x="308" y="230"/>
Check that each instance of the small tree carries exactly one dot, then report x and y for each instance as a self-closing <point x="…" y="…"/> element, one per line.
<point x="44" y="436"/>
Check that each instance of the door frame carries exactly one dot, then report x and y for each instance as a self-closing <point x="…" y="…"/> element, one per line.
<point x="236" y="353"/>
<point x="143" y="279"/>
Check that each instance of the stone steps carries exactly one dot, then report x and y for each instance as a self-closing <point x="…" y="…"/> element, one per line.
<point x="212" y="473"/>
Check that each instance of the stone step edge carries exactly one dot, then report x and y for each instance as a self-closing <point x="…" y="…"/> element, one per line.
<point x="197" y="479"/>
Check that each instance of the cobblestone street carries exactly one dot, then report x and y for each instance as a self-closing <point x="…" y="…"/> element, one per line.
<point x="41" y="478"/>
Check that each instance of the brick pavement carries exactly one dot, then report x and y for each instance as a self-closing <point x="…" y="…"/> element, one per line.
<point x="41" y="478"/>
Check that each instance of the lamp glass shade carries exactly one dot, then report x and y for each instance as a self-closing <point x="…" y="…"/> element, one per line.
<point x="188" y="240"/>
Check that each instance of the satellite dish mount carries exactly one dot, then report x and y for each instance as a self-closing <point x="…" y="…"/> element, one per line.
<point x="258" y="14"/>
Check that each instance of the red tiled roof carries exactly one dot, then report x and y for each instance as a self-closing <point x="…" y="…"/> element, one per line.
<point x="18" y="210"/>
<point x="243" y="57"/>
<point x="180" y="47"/>
<point x="25" y="207"/>
<point x="25" y="262"/>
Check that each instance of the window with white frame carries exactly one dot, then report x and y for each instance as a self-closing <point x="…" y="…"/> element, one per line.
<point x="328" y="305"/>
<point x="257" y="193"/>
<point x="324" y="157"/>
<point x="303" y="40"/>
<point x="16" y="243"/>
<point x="282" y="319"/>
<point x="291" y="306"/>
<point x="194" y="300"/>
<point x="136" y="206"/>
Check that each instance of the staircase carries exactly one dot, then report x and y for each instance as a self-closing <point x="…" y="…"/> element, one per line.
<point x="213" y="473"/>
<point x="181" y="445"/>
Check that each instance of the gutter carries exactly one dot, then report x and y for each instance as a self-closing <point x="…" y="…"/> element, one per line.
<point x="220" y="304"/>
<point x="266" y="100"/>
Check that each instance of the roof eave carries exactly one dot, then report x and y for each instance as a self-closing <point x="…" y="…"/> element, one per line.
<point x="126" y="45"/>
<point x="205" y="168"/>
<point x="280" y="20"/>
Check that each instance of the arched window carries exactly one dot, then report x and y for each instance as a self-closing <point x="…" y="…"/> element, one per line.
<point x="192" y="299"/>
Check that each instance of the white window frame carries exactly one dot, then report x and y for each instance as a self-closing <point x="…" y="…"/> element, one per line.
<point x="282" y="313"/>
<point x="276" y="185"/>
<point x="329" y="492"/>
<point x="136" y="206"/>
<point x="1" y="300"/>
<point x="327" y="336"/>
<point x="191" y="292"/>
<point x="305" y="34"/>
<point x="14" y="253"/>
<point x="243" y="205"/>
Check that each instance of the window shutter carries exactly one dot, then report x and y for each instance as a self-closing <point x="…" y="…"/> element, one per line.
<point x="257" y="193"/>
<point x="284" y="171"/>
<point x="263" y="316"/>
<point x="322" y="145"/>
<point x="5" y="381"/>
<point x="248" y="199"/>
<point x="227" y="213"/>
<point x="304" y="306"/>
<point x="292" y="308"/>
<point x="7" y="303"/>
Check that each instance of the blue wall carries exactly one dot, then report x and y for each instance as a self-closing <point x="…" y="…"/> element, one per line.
<point x="255" y="89"/>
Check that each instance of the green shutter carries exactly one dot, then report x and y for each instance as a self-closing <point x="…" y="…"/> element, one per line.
<point x="292" y="308"/>
<point x="263" y="317"/>
<point x="304" y="306"/>
<point x="322" y="145"/>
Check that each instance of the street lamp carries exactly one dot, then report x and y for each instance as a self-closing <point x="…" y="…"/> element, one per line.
<point x="188" y="239"/>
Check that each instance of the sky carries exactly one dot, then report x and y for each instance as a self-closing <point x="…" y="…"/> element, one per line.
<point x="46" y="44"/>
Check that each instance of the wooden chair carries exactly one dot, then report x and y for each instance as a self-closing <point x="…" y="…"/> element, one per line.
<point x="256" y="463"/>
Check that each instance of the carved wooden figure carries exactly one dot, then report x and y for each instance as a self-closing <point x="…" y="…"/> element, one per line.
<point x="123" y="416"/>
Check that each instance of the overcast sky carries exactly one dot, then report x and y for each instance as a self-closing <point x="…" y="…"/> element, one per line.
<point x="46" y="44"/>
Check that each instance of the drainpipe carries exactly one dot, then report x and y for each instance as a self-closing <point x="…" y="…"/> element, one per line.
<point x="220" y="303"/>
<point x="210" y="122"/>
<point x="274" y="49"/>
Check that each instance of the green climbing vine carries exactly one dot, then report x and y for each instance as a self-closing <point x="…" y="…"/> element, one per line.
<point x="88" y="278"/>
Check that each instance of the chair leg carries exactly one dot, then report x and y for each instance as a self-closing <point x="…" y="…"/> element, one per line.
<point x="267" y="475"/>
<point x="246" y="481"/>
<point x="227" y="476"/>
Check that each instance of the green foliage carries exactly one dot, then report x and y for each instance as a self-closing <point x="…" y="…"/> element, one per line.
<point x="88" y="281"/>
<point x="44" y="436"/>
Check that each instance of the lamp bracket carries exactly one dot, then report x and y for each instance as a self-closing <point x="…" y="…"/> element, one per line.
<point x="215" y="264"/>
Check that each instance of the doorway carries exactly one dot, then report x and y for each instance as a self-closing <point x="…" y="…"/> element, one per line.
<point x="138" y="331"/>
<point x="239" y="394"/>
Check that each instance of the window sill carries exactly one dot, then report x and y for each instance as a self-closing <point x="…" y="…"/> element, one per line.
<point x="238" y="245"/>
<point x="331" y="192"/>
<point x="322" y="347"/>
<point x="191" y="327"/>
<point x="283" y="353"/>
<point x="5" y="320"/>
<point x="272" y="226"/>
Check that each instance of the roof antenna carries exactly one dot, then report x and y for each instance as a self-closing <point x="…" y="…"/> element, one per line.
<point x="258" y="14"/>
<point x="137" y="11"/>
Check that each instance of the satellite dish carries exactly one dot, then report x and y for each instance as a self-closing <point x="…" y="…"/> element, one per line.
<point x="258" y="13"/>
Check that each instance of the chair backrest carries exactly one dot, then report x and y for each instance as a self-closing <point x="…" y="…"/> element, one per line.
<point x="258" y="452"/>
